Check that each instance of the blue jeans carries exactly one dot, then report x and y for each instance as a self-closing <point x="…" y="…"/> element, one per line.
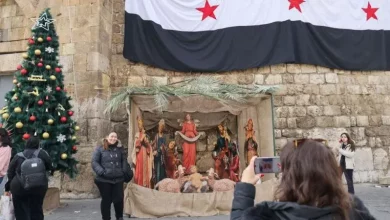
<point x="1" y="185"/>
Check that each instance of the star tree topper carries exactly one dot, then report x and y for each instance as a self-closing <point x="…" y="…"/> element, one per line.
<point x="42" y="22"/>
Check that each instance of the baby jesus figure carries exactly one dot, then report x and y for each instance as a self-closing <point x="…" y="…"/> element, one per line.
<point x="196" y="179"/>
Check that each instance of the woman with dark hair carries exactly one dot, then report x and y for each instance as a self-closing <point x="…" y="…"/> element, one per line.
<point x="110" y="165"/>
<point x="27" y="203"/>
<point x="346" y="159"/>
<point x="309" y="188"/>
<point x="5" y="154"/>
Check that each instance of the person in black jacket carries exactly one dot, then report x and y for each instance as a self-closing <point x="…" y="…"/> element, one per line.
<point x="27" y="203"/>
<point x="109" y="163"/>
<point x="310" y="188"/>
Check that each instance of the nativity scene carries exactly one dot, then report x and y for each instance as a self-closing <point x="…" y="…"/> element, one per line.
<point x="189" y="143"/>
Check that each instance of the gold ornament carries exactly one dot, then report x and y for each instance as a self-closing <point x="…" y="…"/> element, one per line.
<point x="37" y="52"/>
<point x="19" y="125"/>
<point x="77" y="128"/>
<point x="74" y="137"/>
<point x="48" y="67"/>
<point x="40" y="39"/>
<point x="24" y="55"/>
<point x="64" y="156"/>
<point x="50" y="121"/>
<point x="5" y="116"/>
<point x="15" y="81"/>
<point x="45" y="135"/>
<point x="53" y="77"/>
<point x="17" y="110"/>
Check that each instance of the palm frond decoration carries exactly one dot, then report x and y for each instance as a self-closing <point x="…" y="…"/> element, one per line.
<point x="207" y="86"/>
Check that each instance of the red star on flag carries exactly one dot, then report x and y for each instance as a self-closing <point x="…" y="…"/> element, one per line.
<point x="296" y="4"/>
<point x="207" y="10"/>
<point x="370" y="12"/>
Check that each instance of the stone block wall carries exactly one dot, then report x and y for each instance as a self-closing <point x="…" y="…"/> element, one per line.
<point x="313" y="101"/>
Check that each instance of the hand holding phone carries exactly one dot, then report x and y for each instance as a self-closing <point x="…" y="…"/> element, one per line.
<point x="267" y="165"/>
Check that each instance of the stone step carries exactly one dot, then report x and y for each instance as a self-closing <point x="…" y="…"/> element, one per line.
<point x="384" y="180"/>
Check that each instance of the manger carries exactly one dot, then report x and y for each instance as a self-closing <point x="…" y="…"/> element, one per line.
<point x="189" y="142"/>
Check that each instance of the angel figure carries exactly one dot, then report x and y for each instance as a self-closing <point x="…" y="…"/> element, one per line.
<point x="250" y="147"/>
<point x="190" y="136"/>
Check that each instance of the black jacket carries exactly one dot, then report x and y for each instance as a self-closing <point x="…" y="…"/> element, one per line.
<point x="15" y="168"/>
<point x="109" y="165"/>
<point x="243" y="208"/>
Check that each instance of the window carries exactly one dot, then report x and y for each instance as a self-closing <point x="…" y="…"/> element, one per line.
<point x="5" y="86"/>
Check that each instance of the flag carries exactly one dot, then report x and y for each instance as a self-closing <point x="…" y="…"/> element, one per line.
<point x="226" y="35"/>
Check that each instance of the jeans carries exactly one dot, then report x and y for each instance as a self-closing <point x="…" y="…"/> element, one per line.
<point x="348" y="173"/>
<point x="111" y="193"/>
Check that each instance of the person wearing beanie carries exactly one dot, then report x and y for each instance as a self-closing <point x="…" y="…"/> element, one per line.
<point x="5" y="155"/>
<point x="27" y="203"/>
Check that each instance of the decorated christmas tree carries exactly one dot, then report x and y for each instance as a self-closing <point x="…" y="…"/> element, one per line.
<point x="38" y="105"/>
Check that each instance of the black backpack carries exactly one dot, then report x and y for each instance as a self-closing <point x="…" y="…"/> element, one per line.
<point x="33" y="171"/>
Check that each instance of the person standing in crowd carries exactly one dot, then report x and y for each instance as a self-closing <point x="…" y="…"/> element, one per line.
<point x="346" y="160"/>
<point x="28" y="202"/>
<point x="309" y="188"/>
<point x="5" y="155"/>
<point x="109" y="162"/>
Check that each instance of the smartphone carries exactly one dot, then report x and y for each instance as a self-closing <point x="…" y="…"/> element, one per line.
<point x="267" y="165"/>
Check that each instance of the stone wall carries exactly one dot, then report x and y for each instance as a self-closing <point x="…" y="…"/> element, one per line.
<point x="313" y="101"/>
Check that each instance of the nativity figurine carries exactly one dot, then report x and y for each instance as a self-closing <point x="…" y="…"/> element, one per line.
<point x="171" y="160"/>
<point x="159" y="144"/>
<point x="142" y="157"/>
<point x="221" y="153"/>
<point x="250" y="147"/>
<point x="190" y="136"/>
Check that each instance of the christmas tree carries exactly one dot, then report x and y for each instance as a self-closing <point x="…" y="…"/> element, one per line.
<point x="38" y="105"/>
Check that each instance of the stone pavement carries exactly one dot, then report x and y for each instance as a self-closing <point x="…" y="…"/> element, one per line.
<point x="376" y="199"/>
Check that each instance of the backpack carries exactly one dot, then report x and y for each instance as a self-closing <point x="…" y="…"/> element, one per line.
<point x="33" y="171"/>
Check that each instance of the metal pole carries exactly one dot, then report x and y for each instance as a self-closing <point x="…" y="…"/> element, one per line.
<point x="273" y="122"/>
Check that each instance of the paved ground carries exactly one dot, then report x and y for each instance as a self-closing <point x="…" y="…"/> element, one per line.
<point x="376" y="199"/>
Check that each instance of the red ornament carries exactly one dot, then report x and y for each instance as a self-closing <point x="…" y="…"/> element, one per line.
<point x="63" y="119"/>
<point x="40" y="102"/>
<point x="58" y="88"/>
<point x="40" y="64"/>
<point x="58" y="70"/>
<point x="33" y="118"/>
<point x="23" y="71"/>
<point x="26" y="136"/>
<point x="31" y="41"/>
<point x="74" y="148"/>
<point x="70" y="113"/>
<point x="19" y="67"/>
<point x="48" y="38"/>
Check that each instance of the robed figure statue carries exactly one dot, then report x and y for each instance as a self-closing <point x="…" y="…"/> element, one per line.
<point x="142" y="157"/>
<point x="221" y="153"/>
<point x="250" y="147"/>
<point x="159" y="151"/>
<point x="190" y="136"/>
